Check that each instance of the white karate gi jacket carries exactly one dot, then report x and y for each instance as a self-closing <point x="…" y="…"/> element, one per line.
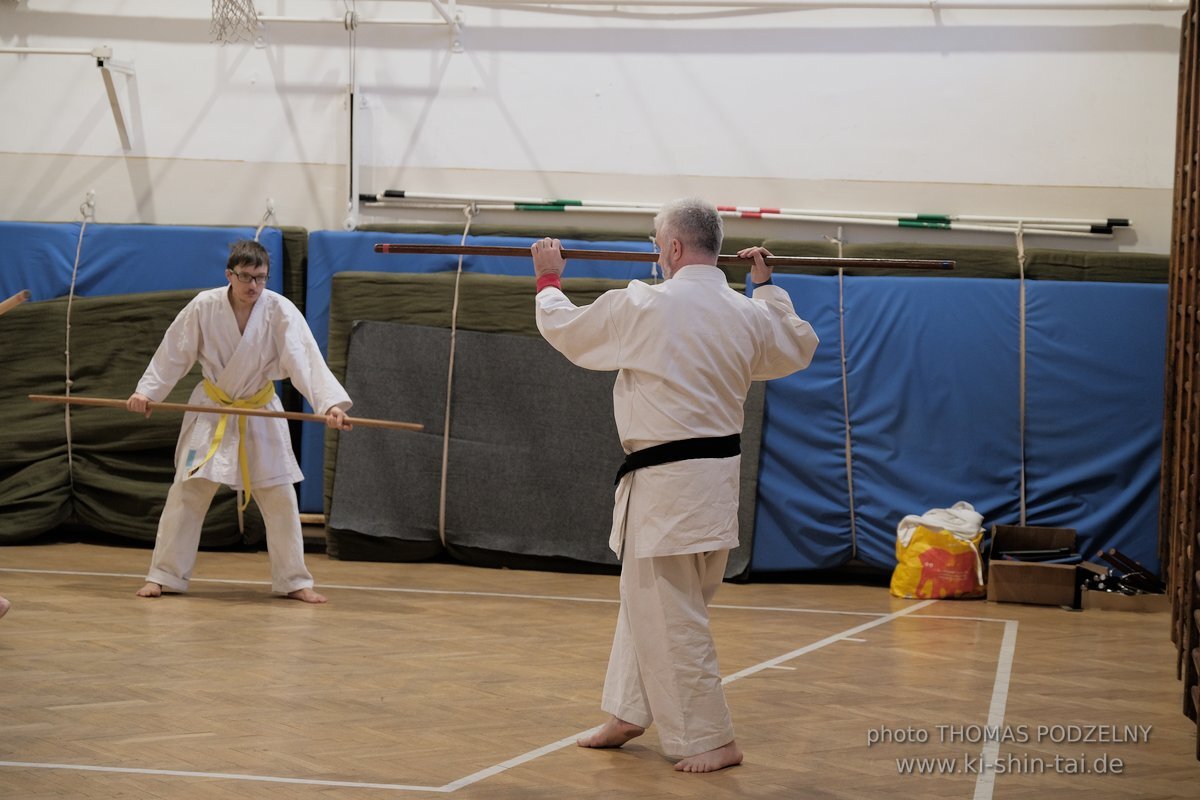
<point x="687" y="350"/>
<point x="277" y="344"/>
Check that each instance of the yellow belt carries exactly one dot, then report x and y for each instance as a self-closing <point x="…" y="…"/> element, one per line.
<point x="258" y="400"/>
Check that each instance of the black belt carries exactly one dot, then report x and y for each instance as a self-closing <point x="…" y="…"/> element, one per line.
<point x="683" y="450"/>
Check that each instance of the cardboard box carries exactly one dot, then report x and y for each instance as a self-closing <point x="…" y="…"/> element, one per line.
<point x="1115" y="601"/>
<point x="1032" y="582"/>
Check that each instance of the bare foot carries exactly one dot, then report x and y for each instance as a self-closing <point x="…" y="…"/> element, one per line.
<point x="726" y="756"/>
<point x="4" y="606"/>
<point x="307" y="596"/>
<point x="151" y="589"/>
<point x="613" y="733"/>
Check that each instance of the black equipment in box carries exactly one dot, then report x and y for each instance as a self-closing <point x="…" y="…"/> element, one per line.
<point x="1044" y="584"/>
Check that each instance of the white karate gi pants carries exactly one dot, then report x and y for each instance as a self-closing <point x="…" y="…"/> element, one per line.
<point x="178" y="536"/>
<point x="663" y="667"/>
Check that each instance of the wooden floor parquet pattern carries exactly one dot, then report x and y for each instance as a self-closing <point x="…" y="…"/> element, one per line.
<point x="437" y="680"/>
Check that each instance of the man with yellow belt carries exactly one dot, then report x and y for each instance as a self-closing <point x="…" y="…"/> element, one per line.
<point x="245" y="338"/>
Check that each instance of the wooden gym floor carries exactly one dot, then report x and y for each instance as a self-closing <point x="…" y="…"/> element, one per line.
<point x="436" y="680"/>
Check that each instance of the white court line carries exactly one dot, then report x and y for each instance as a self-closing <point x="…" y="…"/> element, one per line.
<point x="966" y="619"/>
<point x="451" y="592"/>
<point x="802" y="610"/>
<point x="983" y="787"/>
<point x="108" y="704"/>
<point x="828" y="640"/>
<point x="225" y="775"/>
<point x="469" y="594"/>
<point x="395" y="589"/>
<point x="323" y="586"/>
<point x="852" y="639"/>
<point x="71" y="572"/>
<point x="986" y="781"/>
<point x="475" y="777"/>
<point x="550" y="748"/>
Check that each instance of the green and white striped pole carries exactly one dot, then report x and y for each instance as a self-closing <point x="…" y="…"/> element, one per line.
<point x="1047" y="226"/>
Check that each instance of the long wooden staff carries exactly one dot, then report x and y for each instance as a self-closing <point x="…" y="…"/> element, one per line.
<point x="106" y="402"/>
<point x="631" y="255"/>
<point x="14" y="301"/>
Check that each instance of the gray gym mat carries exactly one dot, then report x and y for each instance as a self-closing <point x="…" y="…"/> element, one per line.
<point x="533" y="453"/>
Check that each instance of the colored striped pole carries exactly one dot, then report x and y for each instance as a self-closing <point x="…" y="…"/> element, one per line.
<point x="926" y="221"/>
<point x="1050" y="226"/>
<point x="937" y="220"/>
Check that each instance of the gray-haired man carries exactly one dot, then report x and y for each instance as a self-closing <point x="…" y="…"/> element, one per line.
<point x="687" y="351"/>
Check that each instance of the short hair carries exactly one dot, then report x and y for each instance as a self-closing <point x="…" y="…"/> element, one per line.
<point x="248" y="253"/>
<point x="692" y="221"/>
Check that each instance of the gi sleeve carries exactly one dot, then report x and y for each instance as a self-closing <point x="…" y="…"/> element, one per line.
<point x="175" y="356"/>
<point x="587" y="335"/>
<point x="787" y="343"/>
<point x="301" y="361"/>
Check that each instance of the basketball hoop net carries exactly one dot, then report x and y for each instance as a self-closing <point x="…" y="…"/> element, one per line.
<point x="233" y="20"/>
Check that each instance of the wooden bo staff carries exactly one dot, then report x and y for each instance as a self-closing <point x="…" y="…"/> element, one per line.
<point x="14" y="301"/>
<point x="632" y="255"/>
<point x="237" y="412"/>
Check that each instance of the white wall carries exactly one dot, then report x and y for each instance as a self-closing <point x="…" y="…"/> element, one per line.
<point x="1010" y="112"/>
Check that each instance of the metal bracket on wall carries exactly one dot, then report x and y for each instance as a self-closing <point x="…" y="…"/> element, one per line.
<point x="451" y="17"/>
<point x="106" y="64"/>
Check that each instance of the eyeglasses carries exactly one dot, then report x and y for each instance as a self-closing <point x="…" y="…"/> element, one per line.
<point x="261" y="280"/>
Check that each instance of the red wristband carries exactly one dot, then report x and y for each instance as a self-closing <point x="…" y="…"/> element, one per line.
<point x="548" y="279"/>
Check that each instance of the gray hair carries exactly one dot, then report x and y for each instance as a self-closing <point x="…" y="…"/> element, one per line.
<point x="692" y="221"/>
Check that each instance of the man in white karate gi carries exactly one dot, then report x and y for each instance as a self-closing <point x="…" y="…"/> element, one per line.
<point x="687" y="351"/>
<point x="245" y="337"/>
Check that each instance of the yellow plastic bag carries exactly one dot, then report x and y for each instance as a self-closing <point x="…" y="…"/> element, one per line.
<point x="936" y="564"/>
